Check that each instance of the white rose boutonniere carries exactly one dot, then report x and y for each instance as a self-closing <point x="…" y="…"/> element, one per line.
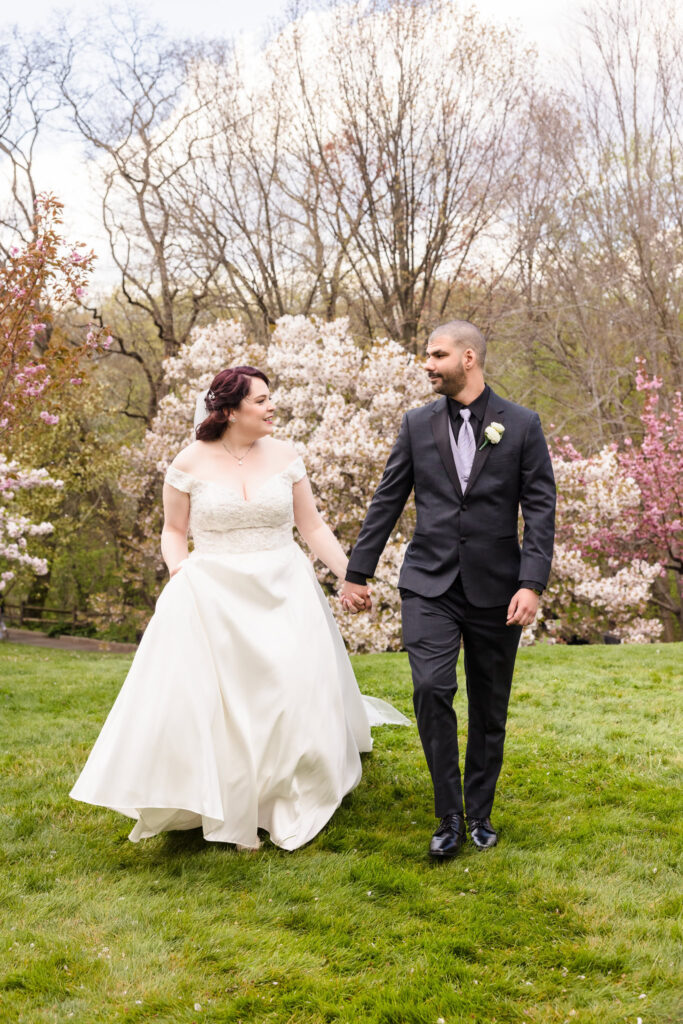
<point x="493" y="434"/>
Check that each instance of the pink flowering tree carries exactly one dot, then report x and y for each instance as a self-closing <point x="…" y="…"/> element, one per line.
<point x="618" y="564"/>
<point x="654" y="530"/>
<point x="592" y="591"/>
<point x="38" y="280"/>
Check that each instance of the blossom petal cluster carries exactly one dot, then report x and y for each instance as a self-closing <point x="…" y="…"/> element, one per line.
<point x="16" y="529"/>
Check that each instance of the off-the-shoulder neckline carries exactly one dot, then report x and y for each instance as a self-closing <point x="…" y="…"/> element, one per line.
<point x="228" y="487"/>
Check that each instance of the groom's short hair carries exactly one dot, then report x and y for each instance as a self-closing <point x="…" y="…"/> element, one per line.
<point x="463" y="334"/>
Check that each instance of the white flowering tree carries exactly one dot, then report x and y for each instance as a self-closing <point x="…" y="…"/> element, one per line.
<point x="593" y="588"/>
<point x="340" y="404"/>
<point x="16" y="529"/>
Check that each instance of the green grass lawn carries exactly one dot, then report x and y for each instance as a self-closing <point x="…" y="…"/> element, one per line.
<point x="572" y="918"/>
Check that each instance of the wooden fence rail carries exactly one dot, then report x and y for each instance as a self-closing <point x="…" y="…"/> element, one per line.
<point x="22" y="613"/>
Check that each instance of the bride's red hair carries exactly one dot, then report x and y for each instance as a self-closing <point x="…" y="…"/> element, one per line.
<point x="227" y="390"/>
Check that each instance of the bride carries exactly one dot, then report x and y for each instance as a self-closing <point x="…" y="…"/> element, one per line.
<point x="240" y="711"/>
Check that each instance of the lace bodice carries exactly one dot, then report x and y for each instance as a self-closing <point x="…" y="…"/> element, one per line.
<point x="224" y="522"/>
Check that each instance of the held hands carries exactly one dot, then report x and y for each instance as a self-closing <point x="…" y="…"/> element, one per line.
<point x="521" y="611"/>
<point x="355" y="598"/>
<point x="523" y="607"/>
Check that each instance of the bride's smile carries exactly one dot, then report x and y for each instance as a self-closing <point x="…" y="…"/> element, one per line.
<point x="253" y="418"/>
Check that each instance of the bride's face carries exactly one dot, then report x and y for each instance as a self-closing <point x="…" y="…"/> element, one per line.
<point x="254" y="415"/>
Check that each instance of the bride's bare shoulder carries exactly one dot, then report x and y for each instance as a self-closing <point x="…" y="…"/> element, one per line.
<point x="283" y="451"/>
<point x="186" y="460"/>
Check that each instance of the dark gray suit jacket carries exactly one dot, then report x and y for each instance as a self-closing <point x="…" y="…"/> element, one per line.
<point x="474" y="533"/>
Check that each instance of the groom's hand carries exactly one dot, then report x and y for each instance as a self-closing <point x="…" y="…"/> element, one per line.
<point x="355" y="598"/>
<point x="523" y="607"/>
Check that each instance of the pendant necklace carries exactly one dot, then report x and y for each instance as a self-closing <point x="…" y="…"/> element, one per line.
<point x="240" y="459"/>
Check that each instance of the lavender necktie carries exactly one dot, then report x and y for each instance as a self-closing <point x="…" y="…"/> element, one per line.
<point x="466" y="448"/>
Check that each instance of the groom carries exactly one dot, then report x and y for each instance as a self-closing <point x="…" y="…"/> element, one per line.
<point x="473" y="460"/>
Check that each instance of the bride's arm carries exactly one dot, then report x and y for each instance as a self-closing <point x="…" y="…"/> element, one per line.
<point x="174" y="532"/>
<point x="315" y="531"/>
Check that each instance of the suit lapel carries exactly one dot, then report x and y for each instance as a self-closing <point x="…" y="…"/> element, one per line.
<point x="494" y="411"/>
<point x="440" y="430"/>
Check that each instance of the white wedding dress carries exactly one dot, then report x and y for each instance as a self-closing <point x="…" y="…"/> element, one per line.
<point x="241" y="710"/>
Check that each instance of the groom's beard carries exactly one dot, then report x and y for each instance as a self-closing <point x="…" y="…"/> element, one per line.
<point x="450" y="384"/>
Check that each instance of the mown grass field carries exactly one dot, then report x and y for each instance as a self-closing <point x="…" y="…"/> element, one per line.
<point x="572" y="918"/>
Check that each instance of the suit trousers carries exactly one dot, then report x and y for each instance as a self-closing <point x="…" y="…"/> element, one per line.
<point x="432" y="632"/>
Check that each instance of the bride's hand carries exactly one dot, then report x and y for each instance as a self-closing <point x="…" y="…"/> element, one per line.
<point x="355" y="598"/>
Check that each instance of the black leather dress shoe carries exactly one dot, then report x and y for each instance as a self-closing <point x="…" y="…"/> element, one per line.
<point x="484" y="835"/>
<point x="449" y="836"/>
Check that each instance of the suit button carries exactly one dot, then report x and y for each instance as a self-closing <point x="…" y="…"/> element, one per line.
<point x="463" y="540"/>
<point x="463" y="508"/>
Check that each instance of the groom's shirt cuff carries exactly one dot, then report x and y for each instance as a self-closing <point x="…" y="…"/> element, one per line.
<point x="530" y="585"/>
<point x="359" y="578"/>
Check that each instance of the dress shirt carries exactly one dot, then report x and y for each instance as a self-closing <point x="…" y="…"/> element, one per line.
<point x="477" y="409"/>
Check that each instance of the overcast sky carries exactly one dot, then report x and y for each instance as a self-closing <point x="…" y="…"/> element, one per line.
<point x="195" y="17"/>
<point x="547" y="22"/>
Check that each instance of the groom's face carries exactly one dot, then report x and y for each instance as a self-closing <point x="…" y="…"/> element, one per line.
<point x="446" y="366"/>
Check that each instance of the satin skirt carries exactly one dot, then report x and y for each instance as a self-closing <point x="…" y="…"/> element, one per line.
<point x="240" y="711"/>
